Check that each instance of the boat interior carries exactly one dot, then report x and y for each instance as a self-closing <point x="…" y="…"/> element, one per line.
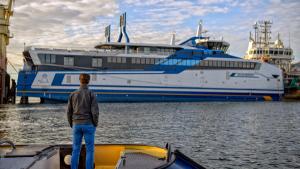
<point x="107" y="156"/>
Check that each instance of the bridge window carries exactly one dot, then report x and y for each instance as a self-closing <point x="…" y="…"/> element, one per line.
<point x="146" y="50"/>
<point x="69" y="60"/>
<point x="96" y="62"/>
<point x="47" y="58"/>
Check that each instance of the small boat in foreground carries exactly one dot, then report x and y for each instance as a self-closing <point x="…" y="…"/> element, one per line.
<point x="107" y="156"/>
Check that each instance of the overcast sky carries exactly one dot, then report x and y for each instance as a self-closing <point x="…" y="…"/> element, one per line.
<point x="80" y="23"/>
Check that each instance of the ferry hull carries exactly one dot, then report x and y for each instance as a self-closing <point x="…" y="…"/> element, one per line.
<point x="119" y="93"/>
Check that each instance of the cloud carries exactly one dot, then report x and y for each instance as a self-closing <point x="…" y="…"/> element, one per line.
<point x="82" y="22"/>
<point x="58" y="23"/>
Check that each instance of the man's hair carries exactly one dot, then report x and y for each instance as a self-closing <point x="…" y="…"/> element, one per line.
<point x="84" y="78"/>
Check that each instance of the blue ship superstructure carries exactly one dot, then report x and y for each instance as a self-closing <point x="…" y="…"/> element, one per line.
<point x="198" y="69"/>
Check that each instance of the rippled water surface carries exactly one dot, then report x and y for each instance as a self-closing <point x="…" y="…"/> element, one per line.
<point x="217" y="135"/>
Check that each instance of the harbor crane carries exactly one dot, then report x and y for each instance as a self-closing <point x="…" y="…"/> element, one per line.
<point x="6" y="11"/>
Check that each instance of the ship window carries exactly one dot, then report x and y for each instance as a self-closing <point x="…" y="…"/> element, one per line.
<point x="219" y="63"/>
<point x="152" y="61"/>
<point x="47" y="58"/>
<point x="209" y="63"/>
<point x="275" y="52"/>
<point x="244" y="65"/>
<point x="248" y="65"/>
<point x="240" y="64"/>
<point x="214" y="63"/>
<point x="50" y="58"/>
<point x="236" y="64"/>
<point x="42" y="58"/>
<point x="123" y="60"/>
<point x="69" y="60"/>
<point x="153" y="50"/>
<point x="252" y="65"/>
<point x="203" y="63"/>
<point x="109" y="59"/>
<point x="96" y="62"/>
<point x="68" y="79"/>
<point x="271" y="52"/>
<point x="94" y="77"/>
<point x="257" y="66"/>
<point x="255" y="51"/>
<point x="147" y="60"/>
<point x="142" y="60"/>
<point x="133" y="60"/>
<point x="53" y="59"/>
<point x="138" y="60"/>
<point x="231" y="64"/>
<point x="113" y="59"/>
<point x="119" y="60"/>
<point x="223" y="64"/>
<point x="228" y="64"/>
<point x="156" y="60"/>
<point x="147" y="50"/>
<point x="281" y="52"/>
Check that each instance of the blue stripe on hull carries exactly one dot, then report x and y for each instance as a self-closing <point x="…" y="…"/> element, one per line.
<point x="158" y="97"/>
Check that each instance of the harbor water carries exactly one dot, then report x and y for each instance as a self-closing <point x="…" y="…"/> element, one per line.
<point x="216" y="135"/>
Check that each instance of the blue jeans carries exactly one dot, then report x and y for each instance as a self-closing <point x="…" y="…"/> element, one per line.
<point x="88" y="131"/>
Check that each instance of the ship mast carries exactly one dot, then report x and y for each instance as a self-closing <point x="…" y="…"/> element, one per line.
<point x="255" y="26"/>
<point x="265" y="30"/>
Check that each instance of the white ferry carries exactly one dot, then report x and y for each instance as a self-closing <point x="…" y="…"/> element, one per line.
<point x="198" y="69"/>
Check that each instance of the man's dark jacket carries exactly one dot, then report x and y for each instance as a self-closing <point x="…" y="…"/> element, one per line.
<point x="83" y="107"/>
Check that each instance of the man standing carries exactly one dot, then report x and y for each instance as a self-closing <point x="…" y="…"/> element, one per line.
<point x="83" y="113"/>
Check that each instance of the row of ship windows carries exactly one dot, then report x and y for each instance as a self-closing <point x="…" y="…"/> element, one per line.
<point x="227" y="64"/>
<point x="98" y="62"/>
<point x="271" y="52"/>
